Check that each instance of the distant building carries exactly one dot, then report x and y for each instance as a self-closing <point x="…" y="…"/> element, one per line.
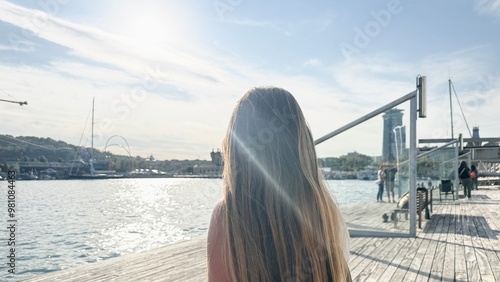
<point x="394" y="138"/>
<point x="216" y="157"/>
<point x="207" y="169"/>
<point x="475" y="135"/>
<point x="211" y="169"/>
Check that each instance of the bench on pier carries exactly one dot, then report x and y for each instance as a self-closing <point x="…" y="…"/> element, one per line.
<point x="424" y="203"/>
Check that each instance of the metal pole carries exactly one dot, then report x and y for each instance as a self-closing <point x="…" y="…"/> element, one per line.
<point x="455" y="167"/>
<point x="451" y="108"/>
<point x="367" y="117"/>
<point x="92" y="134"/>
<point x="15" y="102"/>
<point x="413" y="167"/>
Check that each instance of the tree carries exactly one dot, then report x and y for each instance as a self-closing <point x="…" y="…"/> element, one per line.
<point x="426" y="168"/>
<point x="25" y="159"/>
<point x="355" y="161"/>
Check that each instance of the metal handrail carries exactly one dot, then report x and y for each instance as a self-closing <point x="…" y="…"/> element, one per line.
<point x="438" y="148"/>
<point x="367" y="117"/>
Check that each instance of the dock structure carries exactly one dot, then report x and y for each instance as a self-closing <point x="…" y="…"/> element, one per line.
<point x="459" y="243"/>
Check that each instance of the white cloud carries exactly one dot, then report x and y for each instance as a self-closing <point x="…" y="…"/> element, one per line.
<point x="322" y="22"/>
<point x="491" y="7"/>
<point x="91" y="43"/>
<point x="313" y="63"/>
<point x="260" y="23"/>
<point x="186" y="115"/>
<point x="27" y="47"/>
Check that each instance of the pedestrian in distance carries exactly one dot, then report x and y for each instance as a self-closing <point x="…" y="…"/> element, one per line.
<point x="389" y="177"/>
<point x="380" y="183"/>
<point x="473" y="176"/>
<point x="464" y="175"/>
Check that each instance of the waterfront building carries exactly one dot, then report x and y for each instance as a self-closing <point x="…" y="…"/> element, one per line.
<point x="213" y="169"/>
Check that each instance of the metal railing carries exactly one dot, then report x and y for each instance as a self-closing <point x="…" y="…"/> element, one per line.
<point x="412" y="97"/>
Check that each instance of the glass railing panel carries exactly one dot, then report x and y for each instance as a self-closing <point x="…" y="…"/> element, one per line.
<point x="350" y="163"/>
<point x="436" y="171"/>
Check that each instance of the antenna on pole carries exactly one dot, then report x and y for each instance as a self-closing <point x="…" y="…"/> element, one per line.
<point x="92" y="134"/>
<point x="11" y="101"/>
<point x="15" y="102"/>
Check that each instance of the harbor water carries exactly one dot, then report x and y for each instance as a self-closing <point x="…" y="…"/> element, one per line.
<point x="68" y="223"/>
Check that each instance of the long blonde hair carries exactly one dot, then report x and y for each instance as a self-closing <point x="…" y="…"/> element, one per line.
<point x="282" y="224"/>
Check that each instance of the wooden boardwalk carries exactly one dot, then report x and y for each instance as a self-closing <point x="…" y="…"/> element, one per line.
<point x="459" y="243"/>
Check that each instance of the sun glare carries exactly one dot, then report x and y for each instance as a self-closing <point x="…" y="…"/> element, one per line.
<point x="149" y="29"/>
<point x="149" y="25"/>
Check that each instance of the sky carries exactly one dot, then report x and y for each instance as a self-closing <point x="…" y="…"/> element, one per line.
<point x="166" y="75"/>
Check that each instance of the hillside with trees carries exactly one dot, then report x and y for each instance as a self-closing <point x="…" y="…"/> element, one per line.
<point x="38" y="149"/>
<point x="351" y="162"/>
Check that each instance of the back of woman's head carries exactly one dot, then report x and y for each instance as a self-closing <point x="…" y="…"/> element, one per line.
<point x="268" y="137"/>
<point x="463" y="164"/>
<point x="282" y="223"/>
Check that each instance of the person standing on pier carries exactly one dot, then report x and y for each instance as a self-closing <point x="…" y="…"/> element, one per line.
<point x="389" y="177"/>
<point x="464" y="175"/>
<point x="277" y="220"/>
<point x="380" y="183"/>
<point x="473" y="176"/>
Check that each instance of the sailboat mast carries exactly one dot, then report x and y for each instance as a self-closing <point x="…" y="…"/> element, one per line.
<point x="92" y="134"/>
<point x="451" y="108"/>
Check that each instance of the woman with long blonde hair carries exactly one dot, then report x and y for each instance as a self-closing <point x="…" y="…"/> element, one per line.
<point x="277" y="220"/>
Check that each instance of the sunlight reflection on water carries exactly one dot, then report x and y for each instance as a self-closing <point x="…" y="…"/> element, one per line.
<point x="64" y="224"/>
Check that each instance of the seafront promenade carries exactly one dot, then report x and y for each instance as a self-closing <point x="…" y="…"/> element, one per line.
<point x="459" y="243"/>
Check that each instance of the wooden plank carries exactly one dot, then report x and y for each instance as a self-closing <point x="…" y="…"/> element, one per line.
<point x="406" y="263"/>
<point x="424" y="272"/>
<point x="364" y="268"/>
<point x="185" y="261"/>
<point x="392" y="259"/>
<point x="357" y="245"/>
<point x="368" y="217"/>
<point x="448" y="273"/>
<point x="359" y="251"/>
<point x="415" y="265"/>
<point x="410" y="262"/>
<point x="460" y="263"/>
<point x="470" y="255"/>
<point x="489" y="262"/>
<point x="438" y="264"/>
<point x="404" y="257"/>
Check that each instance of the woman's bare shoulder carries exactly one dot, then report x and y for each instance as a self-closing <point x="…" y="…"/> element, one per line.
<point x="215" y="230"/>
<point x="216" y="250"/>
<point x="219" y="211"/>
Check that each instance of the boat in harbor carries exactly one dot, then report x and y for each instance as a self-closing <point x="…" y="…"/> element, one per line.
<point x="92" y="173"/>
<point x="147" y="173"/>
<point x="369" y="173"/>
<point x="86" y="167"/>
<point x="27" y="176"/>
